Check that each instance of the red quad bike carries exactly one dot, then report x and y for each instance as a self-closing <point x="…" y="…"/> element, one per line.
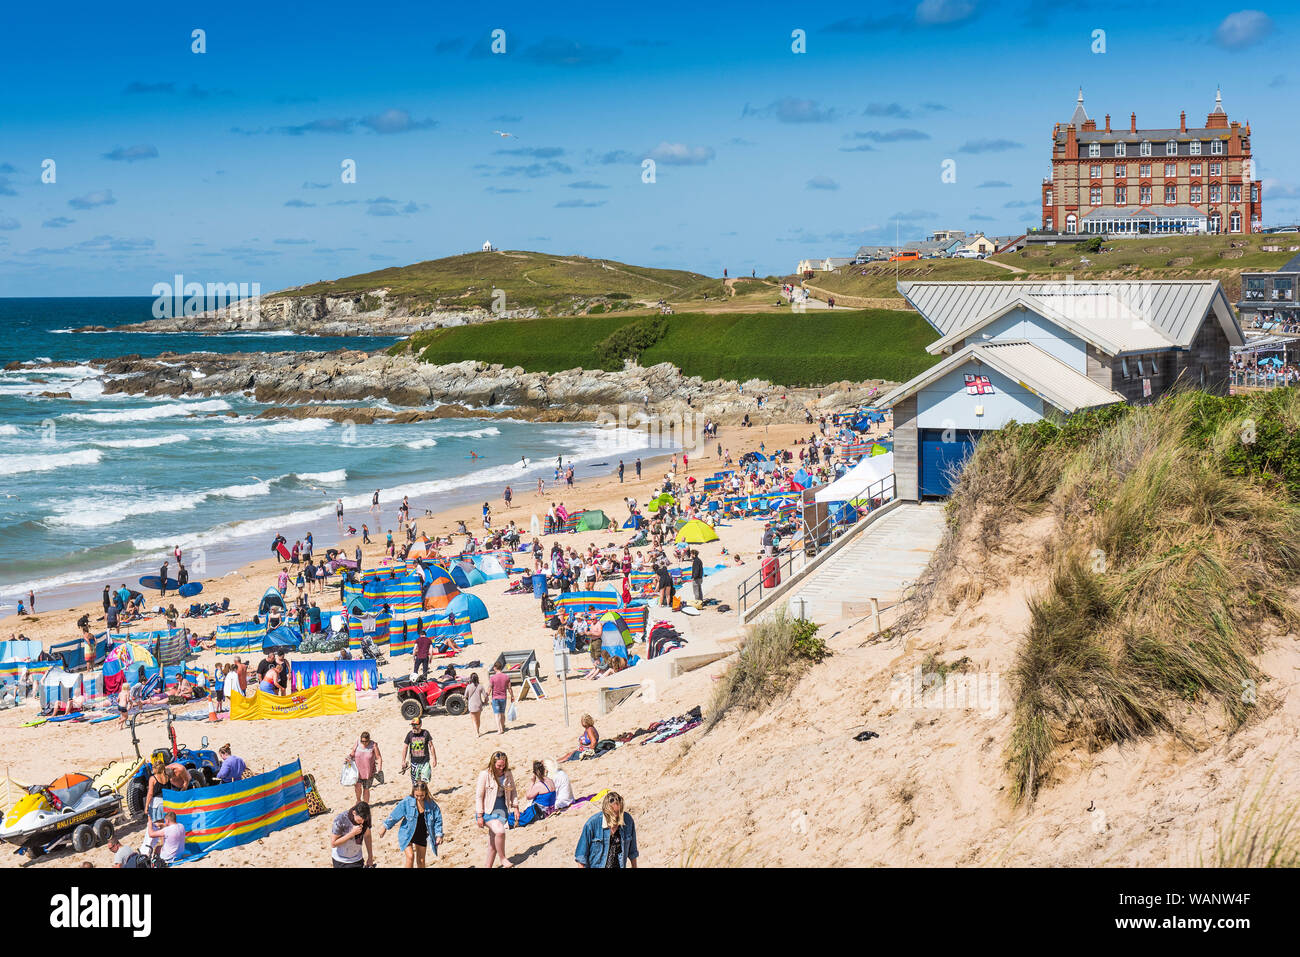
<point x="419" y="697"/>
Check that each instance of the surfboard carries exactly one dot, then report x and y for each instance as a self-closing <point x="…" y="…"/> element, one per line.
<point x="690" y="610"/>
<point x="190" y="589"/>
<point x="32" y="724"/>
<point x="153" y="581"/>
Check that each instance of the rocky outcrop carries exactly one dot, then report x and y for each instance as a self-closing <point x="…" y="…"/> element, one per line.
<point x="294" y="382"/>
<point x="374" y="313"/>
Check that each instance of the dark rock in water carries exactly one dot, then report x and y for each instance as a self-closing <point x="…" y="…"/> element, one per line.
<point x="56" y="395"/>
<point x="91" y="329"/>
<point x="13" y="366"/>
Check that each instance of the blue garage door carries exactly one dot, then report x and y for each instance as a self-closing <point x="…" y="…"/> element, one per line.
<point x="941" y="460"/>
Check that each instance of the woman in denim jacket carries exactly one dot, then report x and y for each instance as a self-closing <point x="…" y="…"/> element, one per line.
<point x="609" y="838"/>
<point x="421" y="820"/>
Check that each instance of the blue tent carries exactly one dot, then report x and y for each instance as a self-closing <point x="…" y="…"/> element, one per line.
<point x="803" y="478"/>
<point x="271" y="598"/>
<point x="286" y="636"/>
<point x="843" y="512"/>
<point x="468" y="606"/>
<point x="633" y="521"/>
<point x="466" y="577"/>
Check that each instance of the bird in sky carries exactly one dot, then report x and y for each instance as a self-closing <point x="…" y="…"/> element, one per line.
<point x="504" y="135"/>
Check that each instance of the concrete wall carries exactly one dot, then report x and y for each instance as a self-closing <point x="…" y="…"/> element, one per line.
<point x="944" y="404"/>
<point x="907" y="462"/>
<point x="1046" y="335"/>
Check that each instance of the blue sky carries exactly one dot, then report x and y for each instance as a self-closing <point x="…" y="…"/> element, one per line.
<point x="225" y="166"/>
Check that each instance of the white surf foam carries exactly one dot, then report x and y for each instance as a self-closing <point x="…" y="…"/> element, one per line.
<point x="149" y="413"/>
<point x="18" y="464"/>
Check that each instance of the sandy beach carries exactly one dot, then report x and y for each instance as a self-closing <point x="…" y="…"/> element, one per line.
<point x="41" y="753"/>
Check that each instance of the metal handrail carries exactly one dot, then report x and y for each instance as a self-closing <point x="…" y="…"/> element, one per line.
<point x="884" y="490"/>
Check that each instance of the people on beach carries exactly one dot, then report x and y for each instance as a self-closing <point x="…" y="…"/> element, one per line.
<point x="494" y="798"/>
<point x="169" y="837"/>
<point x="608" y="839"/>
<point x="476" y="695"/>
<point x="232" y="768"/>
<point x="499" y="682"/>
<point x="350" y="838"/>
<point x="420" y="819"/>
<point x="369" y="763"/>
<point x="418" y="753"/>
<point x="590" y="736"/>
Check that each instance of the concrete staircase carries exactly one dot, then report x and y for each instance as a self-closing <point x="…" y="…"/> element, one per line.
<point x="884" y="558"/>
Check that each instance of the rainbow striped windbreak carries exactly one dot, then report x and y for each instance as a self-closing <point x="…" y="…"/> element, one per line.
<point x="227" y="815"/>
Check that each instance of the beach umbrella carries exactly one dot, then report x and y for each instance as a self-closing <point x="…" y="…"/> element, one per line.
<point x="128" y="653"/>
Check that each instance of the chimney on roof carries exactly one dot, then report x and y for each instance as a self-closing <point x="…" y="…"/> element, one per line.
<point x="1182" y="122"/>
<point x="1132" y="122"/>
<point x="1107" y="122"/>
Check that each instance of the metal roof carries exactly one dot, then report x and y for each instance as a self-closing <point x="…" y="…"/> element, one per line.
<point x="1040" y="373"/>
<point x="1175" y="308"/>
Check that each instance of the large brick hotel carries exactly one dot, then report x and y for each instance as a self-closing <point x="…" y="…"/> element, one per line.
<point x="1129" y="182"/>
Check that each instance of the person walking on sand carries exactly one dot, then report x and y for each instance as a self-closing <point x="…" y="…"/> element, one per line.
<point x="349" y="835"/>
<point x="421" y="820"/>
<point x="638" y="470"/>
<point x="608" y="839"/>
<point x="476" y="695"/>
<point x="507" y="494"/>
<point x="697" y="575"/>
<point x="494" y="797"/>
<point x="499" y="682"/>
<point x="338" y="513"/>
<point x="418" y="753"/>
<point x="620" y="471"/>
<point x="162" y="580"/>
<point x="31" y="601"/>
<point x="365" y="755"/>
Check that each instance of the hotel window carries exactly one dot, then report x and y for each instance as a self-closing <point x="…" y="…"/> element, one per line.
<point x="1094" y="196"/>
<point x="1145" y="148"/>
<point x="1121" y="171"/>
<point x="1121" y="149"/>
<point x="1234" y="193"/>
<point x="1216" y="193"/>
<point x="1171" y="170"/>
<point x="1144" y="195"/>
<point x="1048" y="200"/>
<point x="1234" y="223"/>
<point x="1094" y="171"/>
<point x="1254" y="192"/>
<point x="1144" y="170"/>
<point x="1094" y="149"/>
<point x="1171" y="148"/>
<point x="1123" y="364"/>
<point x="1216" y="169"/>
<point x="1196" y="195"/>
<point x="1216" y="147"/>
<point x="1121" y="195"/>
<point x="1142" y="369"/>
<point x="1195" y="147"/>
<point x="1282" y="289"/>
<point x="1170" y="195"/>
<point x="1216" y="223"/>
<point x="1195" y="169"/>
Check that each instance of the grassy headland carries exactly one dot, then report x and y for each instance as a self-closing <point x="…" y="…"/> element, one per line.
<point x="790" y="349"/>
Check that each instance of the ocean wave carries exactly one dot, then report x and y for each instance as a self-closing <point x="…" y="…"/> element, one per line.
<point x="471" y="434"/>
<point x="17" y="464"/>
<point x="338" y="475"/>
<point x="10" y="430"/>
<point x="148" y="443"/>
<point x="287" y="427"/>
<point x="149" y="413"/>
<point x="422" y="444"/>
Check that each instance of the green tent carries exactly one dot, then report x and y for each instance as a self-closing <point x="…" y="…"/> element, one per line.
<point x="659" y="501"/>
<point x="592" y="520"/>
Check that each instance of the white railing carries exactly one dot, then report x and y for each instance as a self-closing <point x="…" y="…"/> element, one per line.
<point x="800" y="551"/>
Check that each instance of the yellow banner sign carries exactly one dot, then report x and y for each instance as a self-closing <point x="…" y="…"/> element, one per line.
<point x="311" y="703"/>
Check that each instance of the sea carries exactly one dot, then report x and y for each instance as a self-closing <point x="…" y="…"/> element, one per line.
<point x="97" y="489"/>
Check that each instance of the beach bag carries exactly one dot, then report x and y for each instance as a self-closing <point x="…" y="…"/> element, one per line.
<point x="349" y="775"/>
<point x="315" y="804"/>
